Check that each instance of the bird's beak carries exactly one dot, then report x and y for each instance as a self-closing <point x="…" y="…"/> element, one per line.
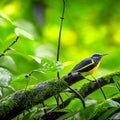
<point x="104" y="54"/>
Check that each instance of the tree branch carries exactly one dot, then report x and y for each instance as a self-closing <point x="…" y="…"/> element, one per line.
<point x="16" y="103"/>
<point x="85" y="90"/>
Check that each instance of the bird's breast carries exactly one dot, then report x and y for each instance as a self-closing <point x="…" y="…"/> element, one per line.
<point x="94" y="69"/>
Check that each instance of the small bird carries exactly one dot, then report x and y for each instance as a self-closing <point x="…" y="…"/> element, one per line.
<point x="89" y="65"/>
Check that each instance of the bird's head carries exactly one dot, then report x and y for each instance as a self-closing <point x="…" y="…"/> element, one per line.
<point x="98" y="56"/>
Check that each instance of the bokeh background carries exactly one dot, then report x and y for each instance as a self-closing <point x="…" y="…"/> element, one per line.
<point x="90" y="26"/>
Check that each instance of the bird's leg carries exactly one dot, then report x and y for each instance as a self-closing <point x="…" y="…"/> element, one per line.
<point x="100" y="87"/>
<point x="88" y="79"/>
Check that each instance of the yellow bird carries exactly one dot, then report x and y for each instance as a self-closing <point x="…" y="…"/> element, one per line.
<point x="89" y="65"/>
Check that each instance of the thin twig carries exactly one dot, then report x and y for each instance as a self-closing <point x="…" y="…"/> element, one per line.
<point x="58" y="49"/>
<point x="78" y="95"/>
<point x="59" y="38"/>
<point x="27" y="76"/>
<point x="27" y="84"/>
<point x="9" y="47"/>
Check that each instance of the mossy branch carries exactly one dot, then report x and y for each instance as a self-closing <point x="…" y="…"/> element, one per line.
<point x="85" y="90"/>
<point x="16" y="103"/>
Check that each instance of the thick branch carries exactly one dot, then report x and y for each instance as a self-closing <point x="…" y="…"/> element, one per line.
<point x="14" y="104"/>
<point x="85" y="90"/>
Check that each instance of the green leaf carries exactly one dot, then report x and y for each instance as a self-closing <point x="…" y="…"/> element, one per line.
<point x="27" y="116"/>
<point x="86" y="113"/>
<point x="36" y="113"/>
<point x="58" y="66"/>
<point x="6" y="28"/>
<point x="107" y="113"/>
<point x="113" y="103"/>
<point x="37" y="59"/>
<point x="20" y="81"/>
<point x="5" y="77"/>
<point x="100" y="110"/>
<point x="45" y="51"/>
<point x="90" y="102"/>
<point x="5" y="17"/>
<point x="26" y="34"/>
<point x="8" y="63"/>
<point x="116" y="116"/>
<point x="27" y="26"/>
<point x="116" y="96"/>
<point x="49" y="65"/>
<point x="116" y="78"/>
<point x="11" y="88"/>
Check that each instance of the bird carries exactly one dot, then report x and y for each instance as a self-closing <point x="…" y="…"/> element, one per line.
<point x="88" y="66"/>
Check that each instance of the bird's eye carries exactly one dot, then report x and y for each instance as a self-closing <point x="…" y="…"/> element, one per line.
<point x="96" y="57"/>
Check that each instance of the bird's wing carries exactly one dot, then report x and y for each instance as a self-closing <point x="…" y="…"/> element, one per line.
<point x="84" y="65"/>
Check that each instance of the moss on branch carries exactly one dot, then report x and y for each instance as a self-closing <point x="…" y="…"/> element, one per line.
<point x="14" y="104"/>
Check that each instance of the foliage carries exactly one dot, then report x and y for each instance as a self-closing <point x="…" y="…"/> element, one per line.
<point x="89" y="27"/>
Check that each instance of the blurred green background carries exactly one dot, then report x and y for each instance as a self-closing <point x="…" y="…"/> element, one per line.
<point x="90" y="26"/>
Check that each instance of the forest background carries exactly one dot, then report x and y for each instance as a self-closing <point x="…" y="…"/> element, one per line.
<point x="89" y="27"/>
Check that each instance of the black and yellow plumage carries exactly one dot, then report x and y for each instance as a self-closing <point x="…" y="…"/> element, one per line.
<point x="89" y="65"/>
